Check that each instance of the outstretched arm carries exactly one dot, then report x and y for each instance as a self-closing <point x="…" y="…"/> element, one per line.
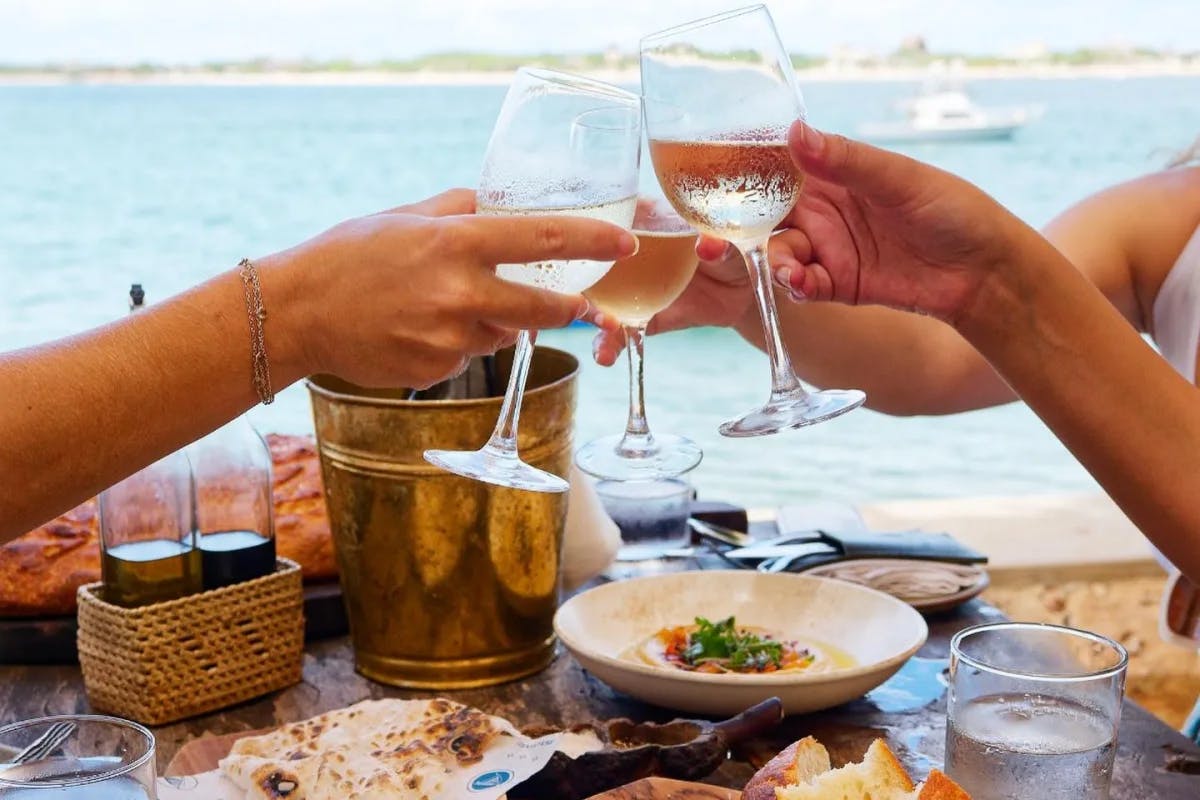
<point x="912" y="364"/>
<point x="1124" y="240"/>
<point x="402" y="298"/>
<point x="885" y="229"/>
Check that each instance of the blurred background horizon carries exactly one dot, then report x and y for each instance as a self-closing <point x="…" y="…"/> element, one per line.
<point x="118" y="178"/>
<point x="194" y="32"/>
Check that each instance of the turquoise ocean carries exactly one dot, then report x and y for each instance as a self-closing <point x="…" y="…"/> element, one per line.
<point x="103" y="186"/>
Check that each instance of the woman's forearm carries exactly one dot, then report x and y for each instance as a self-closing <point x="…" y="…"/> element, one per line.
<point x="360" y="301"/>
<point x="81" y="413"/>
<point x="1130" y="419"/>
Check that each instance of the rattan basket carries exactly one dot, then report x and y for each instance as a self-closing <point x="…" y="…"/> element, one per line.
<point x="176" y="659"/>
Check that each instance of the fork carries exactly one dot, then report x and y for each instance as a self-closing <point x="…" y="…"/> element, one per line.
<point x="45" y="744"/>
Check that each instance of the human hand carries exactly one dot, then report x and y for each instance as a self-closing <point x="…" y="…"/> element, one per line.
<point x="407" y="296"/>
<point x="873" y="226"/>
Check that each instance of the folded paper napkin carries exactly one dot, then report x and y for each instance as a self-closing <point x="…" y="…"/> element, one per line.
<point x="591" y="539"/>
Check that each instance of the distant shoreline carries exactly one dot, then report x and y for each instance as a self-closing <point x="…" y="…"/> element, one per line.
<point x="367" y="77"/>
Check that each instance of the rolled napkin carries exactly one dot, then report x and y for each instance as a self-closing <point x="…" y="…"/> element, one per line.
<point x="591" y="539"/>
<point x="910" y="581"/>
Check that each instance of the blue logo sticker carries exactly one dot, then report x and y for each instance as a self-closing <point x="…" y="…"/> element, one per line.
<point x="490" y="780"/>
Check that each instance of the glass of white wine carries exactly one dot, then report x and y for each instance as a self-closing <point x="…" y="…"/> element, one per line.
<point x="562" y="145"/>
<point x="632" y="292"/>
<point x="720" y="96"/>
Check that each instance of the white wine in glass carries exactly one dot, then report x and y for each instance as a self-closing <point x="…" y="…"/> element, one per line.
<point x="633" y="291"/>
<point x="563" y="146"/>
<point x="719" y="98"/>
<point x="569" y="277"/>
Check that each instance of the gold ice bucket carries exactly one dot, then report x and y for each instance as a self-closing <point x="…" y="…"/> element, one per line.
<point x="448" y="582"/>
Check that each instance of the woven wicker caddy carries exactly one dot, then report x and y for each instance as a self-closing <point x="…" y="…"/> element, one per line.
<point x="176" y="659"/>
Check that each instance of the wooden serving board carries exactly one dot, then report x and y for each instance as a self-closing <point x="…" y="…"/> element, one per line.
<point x="667" y="789"/>
<point x="202" y="755"/>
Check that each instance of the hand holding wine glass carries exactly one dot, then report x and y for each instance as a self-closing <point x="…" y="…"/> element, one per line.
<point x="878" y="227"/>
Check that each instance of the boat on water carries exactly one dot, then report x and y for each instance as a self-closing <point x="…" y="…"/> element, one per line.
<point x="946" y="113"/>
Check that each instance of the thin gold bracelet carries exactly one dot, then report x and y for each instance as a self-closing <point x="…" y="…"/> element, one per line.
<point x="257" y="314"/>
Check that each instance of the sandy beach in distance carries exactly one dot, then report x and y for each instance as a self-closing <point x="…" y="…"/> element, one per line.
<point x="367" y="77"/>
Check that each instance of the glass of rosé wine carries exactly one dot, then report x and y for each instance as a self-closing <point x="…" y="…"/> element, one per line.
<point x="719" y="96"/>
<point x="632" y="292"/>
<point x="563" y="145"/>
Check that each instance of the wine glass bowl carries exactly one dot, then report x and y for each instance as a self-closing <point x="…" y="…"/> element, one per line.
<point x="737" y="189"/>
<point x="719" y="96"/>
<point x="563" y="145"/>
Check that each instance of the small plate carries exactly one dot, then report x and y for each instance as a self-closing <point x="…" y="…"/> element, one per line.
<point x="874" y="572"/>
<point x="877" y="630"/>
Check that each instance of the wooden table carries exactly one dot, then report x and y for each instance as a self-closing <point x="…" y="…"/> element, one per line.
<point x="1153" y="761"/>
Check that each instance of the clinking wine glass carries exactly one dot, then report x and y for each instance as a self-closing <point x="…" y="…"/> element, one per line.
<point x="562" y="145"/>
<point x="719" y="97"/>
<point x="632" y="292"/>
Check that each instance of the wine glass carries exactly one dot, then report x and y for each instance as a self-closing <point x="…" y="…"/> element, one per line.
<point x="633" y="291"/>
<point x="719" y="97"/>
<point x="563" y="145"/>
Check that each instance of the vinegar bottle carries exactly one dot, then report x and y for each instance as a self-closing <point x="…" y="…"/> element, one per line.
<point x="234" y="512"/>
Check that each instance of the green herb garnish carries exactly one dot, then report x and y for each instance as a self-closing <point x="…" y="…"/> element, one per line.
<point x="723" y="643"/>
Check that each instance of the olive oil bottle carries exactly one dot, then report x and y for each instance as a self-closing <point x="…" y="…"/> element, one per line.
<point x="148" y="528"/>
<point x="149" y="571"/>
<point x="148" y="536"/>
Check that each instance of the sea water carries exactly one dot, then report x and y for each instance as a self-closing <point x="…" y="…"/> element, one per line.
<point x="167" y="185"/>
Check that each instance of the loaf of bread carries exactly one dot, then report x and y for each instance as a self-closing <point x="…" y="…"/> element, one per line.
<point x="301" y="522"/>
<point x="796" y="765"/>
<point x="803" y="772"/>
<point x="40" y="571"/>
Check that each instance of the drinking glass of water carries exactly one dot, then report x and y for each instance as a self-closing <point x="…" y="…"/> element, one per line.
<point x="78" y="757"/>
<point x="652" y="516"/>
<point x="1033" y="711"/>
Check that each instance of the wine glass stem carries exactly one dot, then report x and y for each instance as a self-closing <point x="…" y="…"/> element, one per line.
<point x="504" y="438"/>
<point x="637" y="441"/>
<point x="784" y="383"/>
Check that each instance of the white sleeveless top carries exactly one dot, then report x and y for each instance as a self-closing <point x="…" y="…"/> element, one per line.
<point x="1177" y="311"/>
<point x="1177" y="320"/>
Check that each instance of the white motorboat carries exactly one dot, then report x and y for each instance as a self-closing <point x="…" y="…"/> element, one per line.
<point x="947" y="114"/>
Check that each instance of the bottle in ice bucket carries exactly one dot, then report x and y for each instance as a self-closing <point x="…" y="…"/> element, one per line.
<point x="232" y="469"/>
<point x="147" y="535"/>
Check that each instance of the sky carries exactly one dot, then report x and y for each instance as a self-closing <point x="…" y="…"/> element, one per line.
<point x="193" y="31"/>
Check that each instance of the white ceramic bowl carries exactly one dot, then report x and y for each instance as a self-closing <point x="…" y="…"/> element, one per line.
<point x="877" y="630"/>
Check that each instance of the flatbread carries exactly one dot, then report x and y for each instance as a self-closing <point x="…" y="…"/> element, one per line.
<point x="374" y="750"/>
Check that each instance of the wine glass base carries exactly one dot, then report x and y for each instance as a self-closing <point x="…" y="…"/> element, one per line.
<point x="674" y="456"/>
<point x="785" y="413"/>
<point x="498" y="469"/>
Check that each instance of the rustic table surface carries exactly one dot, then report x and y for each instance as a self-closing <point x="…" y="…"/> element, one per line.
<point x="1153" y="761"/>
